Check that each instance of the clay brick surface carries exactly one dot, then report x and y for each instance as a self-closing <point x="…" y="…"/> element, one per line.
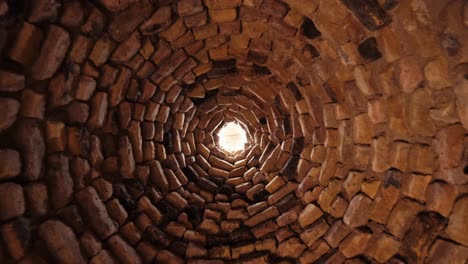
<point x="355" y="115"/>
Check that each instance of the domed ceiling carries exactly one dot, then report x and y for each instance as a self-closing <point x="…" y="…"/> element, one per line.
<point x="355" y="114"/>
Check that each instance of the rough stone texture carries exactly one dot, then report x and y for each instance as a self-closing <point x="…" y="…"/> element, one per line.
<point x="116" y="6"/>
<point x="457" y="222"/>
<point x="95" y="212"/>
<point x="8" y="116"/>
<point x="30" y="140"/>
<point x="446" y="251"/>
<point x="27" y="44"/>
<point x="10" y="163"/>
<point x="355" y="115"/>
<point x="123" y="251"/>
<point x="17" y="237"/>
<point x="52" y="53"/>
<point x="60" y="182"/>
<point x="309" y="215"/>
<point x="61" y="242"/>
<point x="358" y="210"/>
<point x="383" y="247"/>
<point x="12" y="203"/>
<point x="11" y="81"/>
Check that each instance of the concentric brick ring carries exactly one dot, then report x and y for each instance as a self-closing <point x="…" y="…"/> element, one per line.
<point x="356" y="114"/>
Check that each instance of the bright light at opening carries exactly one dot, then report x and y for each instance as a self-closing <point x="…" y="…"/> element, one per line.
<point x="232" y="137"/>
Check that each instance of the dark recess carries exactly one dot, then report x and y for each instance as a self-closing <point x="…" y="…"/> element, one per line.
<point x="369" y="50"/>
<point x="309" y="29"/>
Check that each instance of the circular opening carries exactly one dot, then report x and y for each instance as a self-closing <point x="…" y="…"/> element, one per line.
<point x="232" y="137"/>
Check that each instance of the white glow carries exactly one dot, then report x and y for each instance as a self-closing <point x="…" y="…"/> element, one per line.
<point x="232" y="137"/>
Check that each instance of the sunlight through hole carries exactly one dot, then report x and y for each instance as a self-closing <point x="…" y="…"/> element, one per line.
<point x="232" y="137"/>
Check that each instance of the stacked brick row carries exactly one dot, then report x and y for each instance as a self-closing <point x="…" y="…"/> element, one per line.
<point x="356" y="114"/>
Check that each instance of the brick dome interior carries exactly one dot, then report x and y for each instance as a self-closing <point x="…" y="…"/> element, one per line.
<point x="356" y="114"/>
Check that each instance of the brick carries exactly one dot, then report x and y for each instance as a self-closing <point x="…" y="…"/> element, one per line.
<point x="383" y="204"/>
<point x="417" y="113"/>
<point x="269" y="213"/>
<point x="352" y="184"/>
<point x="160" y="19"/>
<point x="337" y="232"/>
<point x="94" y="210"/>
<point x="27" y="44"/>
<point x="30" y="140"/>
<point x="86" y="88"/>
<point x="12" y="203"/>
<point x="449" y="146"/>
<point x="314" y="253"/>
<point x="358" y="210"/>
<point x="102" y="50"/>
<point x="80" y="49"/>
<point x="77" y="113"/>
<point x="354" y="244"/>
<point x="282" y="192"/>
<point x="371" y="187"/>
<point x="98" y="110"/>
<point x="194" y="251"/>
<point x="37" y="198"/>
<point x="124" y="23"/>
<point x="457" y="223"/>
<point x="127" y="49"/>
<point x="91" y="245"/>
<point x="35" y="107"/>
<point x="363" y="130"/>
<point x="190" y="7"/>
<point x="440" y="197"/>
<point x="399" y="153"/>
<point x="117" y="6"/>
<point x="424" y="229"/>
<point x="445" y="251"/>
<point x="176" y="200"/>
<point x="338" y="207"/>
<point x="415" y="186"/>
<point x="103" y="257"/>
<point x="17" y="237"/>
<point x="409" y="74"/>
<point x="328" y="194"/>
<point x="145" y="205"/>
<point x="223" y="15"/>
<point x="11" y="82"/>
<point x="59" y="181"/>
<point x="52" y="53"/>
<point x="10" y="163"/>
<point x="123" y="251"/>
<point x="116" y="211"/>
<point x="292" y="247"/>
<point x="206" y="31"/>
<point x="422" y="159"/>
<point x="380" y="157"/>
<point x="317" y="230"/>
<point x="309" y="215"/>
<point x="95" y="23"/>
<point x="401" y="217"/>
<point x="275" y="184"/>
<point x="61" y="242"/>
<point x="306" y="8"/>
<point x="383" y="247"/>
<point x="437" y="74"/>
<point x="119" y="88"/>
<point x="72" y="14"/>
<point x="175" y="31"/>
<point x="222" y="4"/>
<point x="43" y="11"/>
<point x="362" y="77"/>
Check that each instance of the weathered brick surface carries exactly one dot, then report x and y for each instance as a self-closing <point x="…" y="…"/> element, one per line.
<point x="355" y="115"/>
